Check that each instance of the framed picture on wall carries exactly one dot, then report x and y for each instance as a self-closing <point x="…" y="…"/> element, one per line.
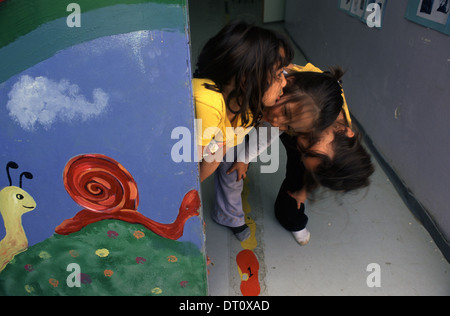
<point x="434" y="14"/>
<point x="357" y="8"/>
<point x="434" y="10"/>
<point x="369" y="12"/>
<point x="345" y="5"/>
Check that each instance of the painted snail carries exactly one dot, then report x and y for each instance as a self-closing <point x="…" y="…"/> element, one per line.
<point x="107" y="190"/>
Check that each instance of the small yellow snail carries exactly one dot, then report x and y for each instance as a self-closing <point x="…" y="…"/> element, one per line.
<point x="14" y="202"/>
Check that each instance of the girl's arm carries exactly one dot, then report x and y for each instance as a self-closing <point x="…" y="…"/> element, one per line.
<point x="210" y="160"/>
<point x="300" y="196"/>
<point x="241" y="168"/>
<point x="249" y="150"/>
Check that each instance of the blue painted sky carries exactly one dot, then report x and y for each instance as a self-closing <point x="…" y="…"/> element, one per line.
<point x="121" y="96"/>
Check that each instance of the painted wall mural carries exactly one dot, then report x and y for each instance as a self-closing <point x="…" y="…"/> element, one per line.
<point x="14" y="202"/>
<point x="91" y="201"/>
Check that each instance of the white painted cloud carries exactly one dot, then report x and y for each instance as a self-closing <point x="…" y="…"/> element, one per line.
<point x="43" y="101"/>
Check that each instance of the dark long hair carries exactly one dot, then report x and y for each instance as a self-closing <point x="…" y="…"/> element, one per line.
<point x="320" y="91"/>
<point x="348" y="170"/>
<point x="248" y="54"/>
<point x="351" y="165"/>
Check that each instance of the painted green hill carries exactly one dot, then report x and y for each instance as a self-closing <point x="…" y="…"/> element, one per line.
<point x="21" y="17"/>
<point x="114" y="257"/>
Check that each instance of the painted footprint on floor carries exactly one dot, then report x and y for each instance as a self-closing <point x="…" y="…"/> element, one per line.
<point x="248" y="267"/>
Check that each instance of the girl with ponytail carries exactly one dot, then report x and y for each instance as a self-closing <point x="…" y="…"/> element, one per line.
<point x="322" y="146"/>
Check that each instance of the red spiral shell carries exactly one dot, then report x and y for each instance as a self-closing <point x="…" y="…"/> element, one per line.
<point x="99" y="183"/>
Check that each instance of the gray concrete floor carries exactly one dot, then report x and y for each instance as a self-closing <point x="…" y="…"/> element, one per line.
<point x="348" y="232"/>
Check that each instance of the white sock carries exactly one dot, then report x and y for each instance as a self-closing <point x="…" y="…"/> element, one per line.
<point x="302" y="236"/>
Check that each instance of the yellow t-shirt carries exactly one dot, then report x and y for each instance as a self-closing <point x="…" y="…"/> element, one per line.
<point x="310" y="67"/>
<point x="212" y="119"/>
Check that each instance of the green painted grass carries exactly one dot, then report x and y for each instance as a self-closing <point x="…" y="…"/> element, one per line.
<point x="138" y="262"/>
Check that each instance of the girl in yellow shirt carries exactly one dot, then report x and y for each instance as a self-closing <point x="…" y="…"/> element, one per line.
<point x="239" y="72"/>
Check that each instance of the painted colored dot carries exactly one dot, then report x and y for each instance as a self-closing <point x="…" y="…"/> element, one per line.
<point x="85" y="278"/>
<point x="29" y="288"/>
<point x="172" y="259"/>
<point x="138" y="234"/>
<point x="112" y="234"/>
<point x="29" y="267"/>
<point x="140" y="260"/>
<point x="108" y="273"/>
<point x="102" y="252"/>
<point x="44" y="255"/>
<point x="74" y="253"/>
<point x="183" y="283"/>
<point x="53" y="282"/>
<point x="156" y="290"/>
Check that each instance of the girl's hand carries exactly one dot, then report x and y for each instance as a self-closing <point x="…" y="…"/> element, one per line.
<point x="210" y="158"/>
<point x="241" y="168"/>
<point x="300" y="196"/>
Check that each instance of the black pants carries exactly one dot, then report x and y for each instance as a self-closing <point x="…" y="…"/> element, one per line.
<point x="286" y="211"/>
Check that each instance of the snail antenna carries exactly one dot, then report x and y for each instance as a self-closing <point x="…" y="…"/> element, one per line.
<point x="12" y="165"/>
<point x="27" y="175"/>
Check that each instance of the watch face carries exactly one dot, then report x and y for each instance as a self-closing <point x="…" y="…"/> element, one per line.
<point x="211" y="148"/>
